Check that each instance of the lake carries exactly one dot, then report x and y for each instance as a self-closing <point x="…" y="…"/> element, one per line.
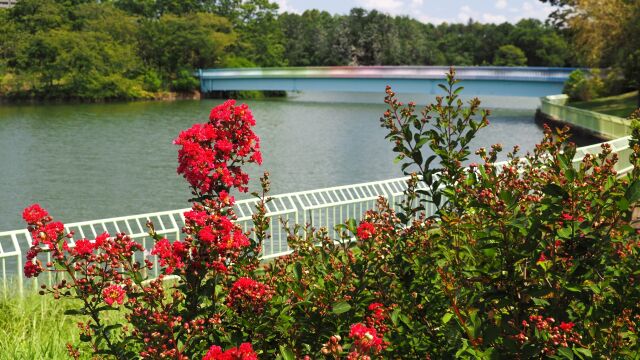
<point x="90" y="161"/>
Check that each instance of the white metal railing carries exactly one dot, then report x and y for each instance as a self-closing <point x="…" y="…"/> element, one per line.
<point x="321" y="208"/>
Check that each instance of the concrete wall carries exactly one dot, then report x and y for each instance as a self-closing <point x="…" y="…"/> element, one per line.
<point x="607" y="126"/>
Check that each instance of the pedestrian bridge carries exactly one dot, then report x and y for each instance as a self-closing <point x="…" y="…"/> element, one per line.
<point x="498" y="81"/>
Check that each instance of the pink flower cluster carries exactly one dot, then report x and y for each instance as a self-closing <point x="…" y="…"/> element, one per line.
<point x="242" y="352"/>
<point x="211" y="154"/>
<point x="113" y="294"/>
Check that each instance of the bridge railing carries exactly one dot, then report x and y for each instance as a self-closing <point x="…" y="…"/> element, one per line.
<point x="320" y="208"/>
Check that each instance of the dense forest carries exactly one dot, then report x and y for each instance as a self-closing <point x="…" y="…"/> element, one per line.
<point x="136" y="49"/>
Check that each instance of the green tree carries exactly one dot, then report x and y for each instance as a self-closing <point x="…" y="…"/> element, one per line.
<point x="31" y="16"/>
<point x="604" y="34"/>
<point x="172" y="43"/>
<point x="260" y="38"/>
<point x="510" y="55"/>
<point x="541" y="44"/>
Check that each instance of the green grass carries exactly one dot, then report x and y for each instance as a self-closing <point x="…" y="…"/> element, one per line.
<point x="618" y="105"/>
<point x="35" y="327"/>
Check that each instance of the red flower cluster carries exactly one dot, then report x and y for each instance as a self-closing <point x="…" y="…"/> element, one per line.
<point x="223" y="234"/>
<point x="249" y="295"/>
<point x="568" y="217"/>
<point x="242" y="352"/>
<point x="113" y="294"/>
<point x="566" y="327"/>
<point x="378" y="317"/>
<point x="365" y="341"/>
<point x="104" y="270"/>
<point x="366" y="230"/>
<point x="34" y="214"/>
<point x="170" y="255"/>
<point x="32" y="268"/>
<point x="45" y="234"/>
<point x="213" y="240"/>
<point x="211" y="154"/>
<point x="86" y="247"/>
<point x="557" y="336"/>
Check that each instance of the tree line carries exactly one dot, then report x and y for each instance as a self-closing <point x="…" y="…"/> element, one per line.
<point x="136" y="49"/>
<point x="374" y="38"/>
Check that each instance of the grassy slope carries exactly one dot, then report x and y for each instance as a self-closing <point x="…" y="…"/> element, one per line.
<point x="619" y="105"/>
<point x="34" y="327"/>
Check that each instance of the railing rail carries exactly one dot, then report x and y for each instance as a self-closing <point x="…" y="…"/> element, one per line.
<point x="321" y="208"/>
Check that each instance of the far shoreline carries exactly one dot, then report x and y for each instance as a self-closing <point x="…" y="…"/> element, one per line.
<point x="166" y="96"/>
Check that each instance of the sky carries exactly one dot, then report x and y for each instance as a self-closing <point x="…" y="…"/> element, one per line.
<point x="432" y="11"/>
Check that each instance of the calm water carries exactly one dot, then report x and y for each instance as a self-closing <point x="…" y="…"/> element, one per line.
<point x="93" y="161"/>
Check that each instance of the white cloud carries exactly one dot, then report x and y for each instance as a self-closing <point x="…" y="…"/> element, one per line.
<point x="389" y="6"/>
<point x="432" y="20"/>
<point x="465" y="13"/>
<point x="285" y="7"/>
<point x="493" y="18"/>
<point x="501" y="4"/>
<point x="417" y="3"/>
<point x="534" y="9"/>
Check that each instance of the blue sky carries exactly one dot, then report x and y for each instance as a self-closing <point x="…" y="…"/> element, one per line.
<point x="434" y="11"/>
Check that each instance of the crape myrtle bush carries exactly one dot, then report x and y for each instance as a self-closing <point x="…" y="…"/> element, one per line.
<point x="532" y="258"/>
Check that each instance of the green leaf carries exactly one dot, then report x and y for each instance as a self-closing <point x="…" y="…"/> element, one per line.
<point x="297" y="271"/>
<point x="623" y="204"/>
<point x="540" y="302"/>
<point x="565" y="233"/>
<point x="286" y="353"/>
<point x="633" y="192"/>
<point x="110" y="328"/>
<point x="340" y="308"/>
<point x="352" y="225"/>
<point x="421" y="142"/>
<point x="565" y="353"/>
<point x="582" y="351"/>
<point x="394" y="316"/>
<point x="74" y="312"/>
<point x="554" y="190"/>
<point x="137" y="277"/>
<point x="446" y="318"/>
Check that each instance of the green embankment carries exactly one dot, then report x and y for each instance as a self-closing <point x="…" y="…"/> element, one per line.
<point x="34" y="327"/>
<point x="618" y="105"/>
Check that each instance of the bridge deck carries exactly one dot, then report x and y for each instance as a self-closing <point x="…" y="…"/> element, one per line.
<point x="503" y="81"/>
